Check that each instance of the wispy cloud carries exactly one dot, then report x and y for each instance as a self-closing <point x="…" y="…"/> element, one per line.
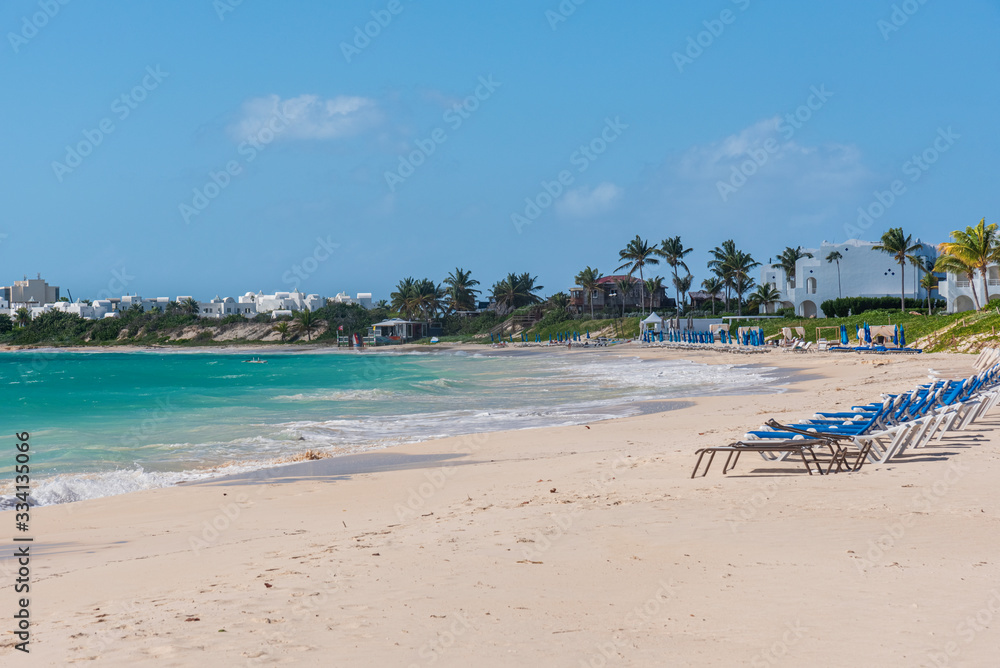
<point x="307" y="116"/>
<point x="805" y="189"/>
<point x="762" y="161"/>
<point x="585" y="202"/>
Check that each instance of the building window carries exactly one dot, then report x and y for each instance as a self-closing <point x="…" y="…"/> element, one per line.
<point x="811" y="285"/>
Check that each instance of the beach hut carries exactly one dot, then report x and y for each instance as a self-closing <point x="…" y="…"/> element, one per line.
<point x="653" y="323"/>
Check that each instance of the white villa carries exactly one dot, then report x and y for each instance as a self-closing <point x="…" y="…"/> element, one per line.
<point x="860" y="272"/>
<point x="249" y="305"/>
<point x="957" y="290"/>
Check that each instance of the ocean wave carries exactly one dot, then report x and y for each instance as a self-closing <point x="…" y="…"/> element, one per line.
<point x="339" y="395"/>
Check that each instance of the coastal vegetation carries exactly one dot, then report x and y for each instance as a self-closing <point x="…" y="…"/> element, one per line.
<point x="518" y="307"/>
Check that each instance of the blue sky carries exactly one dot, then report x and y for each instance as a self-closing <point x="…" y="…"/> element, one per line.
<point x="300" y="132"/>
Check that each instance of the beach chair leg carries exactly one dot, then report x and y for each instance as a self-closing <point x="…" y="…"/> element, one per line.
<point x="733" y="457"/>
<point x="838" y="459"/>
<point x="862" y="456"/>
<point x="701" y="455"/>
<point x="819" y="467"/>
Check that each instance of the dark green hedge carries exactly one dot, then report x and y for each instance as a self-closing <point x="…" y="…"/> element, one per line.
<point x="845" y="306"/>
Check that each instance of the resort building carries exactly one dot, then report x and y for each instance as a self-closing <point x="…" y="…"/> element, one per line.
<point x="608" y="295"/>
<point x="279" y="301"/>
<point x="400" y="330"/>
<point x="30" y="291"/>
<point x="861" y="271"/>
<point x="957" y="291"/>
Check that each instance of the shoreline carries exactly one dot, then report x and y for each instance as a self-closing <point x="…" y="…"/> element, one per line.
<point x="540" y="546"/>
<point x="253" y="467"/>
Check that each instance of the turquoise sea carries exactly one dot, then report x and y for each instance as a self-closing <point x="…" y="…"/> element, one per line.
<point x="111" y="423"/>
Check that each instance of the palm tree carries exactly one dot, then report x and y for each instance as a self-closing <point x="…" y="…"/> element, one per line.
<point x="559" y="300"/>
<point x="835" y="256"/>
<point x="515" y="291"/>
<point x="428" y="298"/>
<point x="589" y="280"/>
<point x="722" y="256"/>
<point x="738" y="269"/>
<point x="637" y="254"/>
<point x="765" y="296"/>
<point x="173" y="307"/>
<point x="673" y="252"/>
<point x="405" y="297"/>
<point x="623" y="285"/>
<point x="461" y="296"/>
<point x="977" y="247"/>
<point x="682" y="284"/>
<point x="901" y="247"/>
<point x="381" y="304"/>
<point x="955" y="265"/>
<point x="787" y="260"/>
<point x="306" y="321"/>
<point x="190" y="306"/>
<point x="713" y="286"/>
<point x="929" y="282"/>
<point x="281" y="328"/>
<point x="23" y="317"/>
<point x="653" y="285"/>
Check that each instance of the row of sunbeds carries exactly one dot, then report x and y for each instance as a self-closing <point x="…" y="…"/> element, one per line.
<point x="874" y="432"/>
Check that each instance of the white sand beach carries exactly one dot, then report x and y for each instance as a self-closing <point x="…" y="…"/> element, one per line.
<point x="572" y="546"/>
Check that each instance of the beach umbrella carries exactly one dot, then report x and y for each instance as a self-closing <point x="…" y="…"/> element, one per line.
<point x="902" y="337"/>
<point x="843" y="335"/>
<point x="661" y="336"/>
<point x="588" y="332"/>
<point x="868" y="334"/>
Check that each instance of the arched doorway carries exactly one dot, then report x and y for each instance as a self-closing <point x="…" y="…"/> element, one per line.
<point x="811" y="285"/>
<point x="808" y="309"/>
<point x="963" y="303"/>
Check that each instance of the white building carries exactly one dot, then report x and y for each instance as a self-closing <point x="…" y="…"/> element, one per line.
<point x="957" y="290"/>
<point x="282" y="301"/>
<point x="860" y="272"/>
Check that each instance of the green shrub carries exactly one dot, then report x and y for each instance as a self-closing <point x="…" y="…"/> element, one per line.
<point x="845" y="306"/>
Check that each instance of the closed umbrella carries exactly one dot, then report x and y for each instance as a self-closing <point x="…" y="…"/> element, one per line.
<point x="843" y="335"/>
<point x="868" y="334"/>
<point x="902" y="337"/>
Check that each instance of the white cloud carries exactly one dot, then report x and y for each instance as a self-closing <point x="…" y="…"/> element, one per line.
<point x="764" y="161"/>
<point x="307" y="117"/>
<point x="585" y="202"/>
